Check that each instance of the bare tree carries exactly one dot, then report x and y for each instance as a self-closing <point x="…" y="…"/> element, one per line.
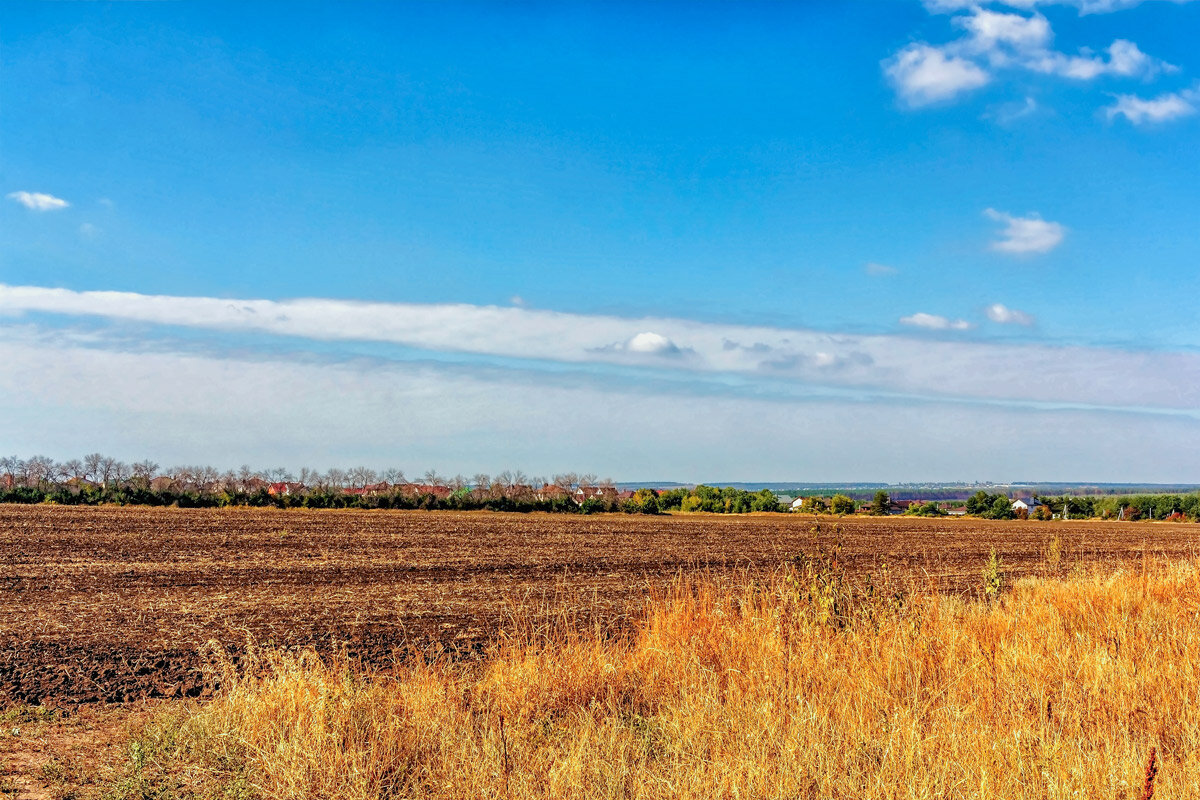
<point x="309" y="477"/>
<point x="72" y="468"/>
<point x="92" y="465"/>
<point x="109" y="469"/>
<point x="457" y="482"/>
<point x="38" y="470"/>
<point x="587" y="480"/>
<point x="278" y="474"/>
<point x="244" y="476"/>
<point x="361" y="476"/>
<point x="394" y="476"/>
<point x="10" y="465"/>
<point x="335" y="478"/>
<point x="481" y="481"/>
<point x="208" y="479"/>
<point x="145" y="469"/>
<point x="432" y="478"/>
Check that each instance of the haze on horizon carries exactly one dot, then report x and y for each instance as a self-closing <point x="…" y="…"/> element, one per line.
<point x="822" y="242"/>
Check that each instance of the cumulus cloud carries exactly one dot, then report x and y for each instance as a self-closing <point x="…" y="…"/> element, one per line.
<point x="922" y="74"/>
<point x="1002" y="314"/>
<point x="1163" y="108"/>
<point x="1022" y="235"/>
<point x="935" y="322"/>
<point x="651" y="343"/>
<point x="1125" y="59"/>
<point x="997" y="40"/>
<point x="991" y="30"/>
<point x="38" y="201"/>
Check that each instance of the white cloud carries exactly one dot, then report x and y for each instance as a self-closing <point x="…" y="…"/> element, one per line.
<point x="37" y="201"/>
<point x="1023" y="235"/>
<point x="65" y="398"/>
<point x="579" y="343"/>
<point x="1084" y="6"/>
<point x="935" y="322"/>
<point x="1002" y="314"/>
<point x="1125" y="59"/>
<point x="1099" y="6"/>
<point x="651" y="343"/>
<point x="990" y="30"/>
<point x="89" y="231"/>
<point x="995" y="41"/>
<point x="880" y="270"/>
<point x="923" y="74"/>
<point x="1163" y="108"/>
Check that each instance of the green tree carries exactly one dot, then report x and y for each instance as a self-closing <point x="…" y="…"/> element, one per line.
<point x="882" y="504"/>
<point x="1001" y="508"/>
<point x="813" y="505"/>
<point x="841" y="504"/>
<point x="764" y="500"/>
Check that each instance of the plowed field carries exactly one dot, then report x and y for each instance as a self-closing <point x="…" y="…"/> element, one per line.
<point x="114" y="604"/>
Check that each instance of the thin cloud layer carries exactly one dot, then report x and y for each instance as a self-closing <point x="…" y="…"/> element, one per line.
<point x="64" y="397"/>
<point x="37" y="201"/>
<point x="1024" y="235"/>
<point x="888" y="364"/>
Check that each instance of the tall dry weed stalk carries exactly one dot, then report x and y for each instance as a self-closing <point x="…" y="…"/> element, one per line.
<point x="806" y="685"/>
<point x="1151" y="772"/>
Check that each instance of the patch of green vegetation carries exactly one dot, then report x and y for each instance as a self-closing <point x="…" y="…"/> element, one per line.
<point x="175" y="757"/>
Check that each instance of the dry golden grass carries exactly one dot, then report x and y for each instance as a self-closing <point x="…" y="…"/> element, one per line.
<point x="794" y="687"/>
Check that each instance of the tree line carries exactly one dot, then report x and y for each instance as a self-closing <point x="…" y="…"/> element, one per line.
<point x="96" y="479"/>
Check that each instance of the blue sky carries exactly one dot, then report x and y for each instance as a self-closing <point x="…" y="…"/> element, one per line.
<point x="814" y="241"/>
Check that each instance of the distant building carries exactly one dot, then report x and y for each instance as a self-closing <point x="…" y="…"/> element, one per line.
<point x="605" y="494"/>
<point x="163" y="484"/>
<point x="1028" y="505"/>
<point x="550" y="492"/>
<point x="797" y="503"/>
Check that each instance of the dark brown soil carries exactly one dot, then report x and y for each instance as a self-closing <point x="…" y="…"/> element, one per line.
<point x="115" y="604"/>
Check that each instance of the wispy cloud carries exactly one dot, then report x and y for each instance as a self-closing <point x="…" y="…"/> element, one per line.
<point x="935" y="322"/>
<point x="1002" y="314"/>
<point x="880" y="270"/>
<point x="1163" y="108"/>
<point x="38" y="201"/>
<point x="66" y="397"/>
<point x="1023" y="235"/>
<point x="913" y="366"/>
